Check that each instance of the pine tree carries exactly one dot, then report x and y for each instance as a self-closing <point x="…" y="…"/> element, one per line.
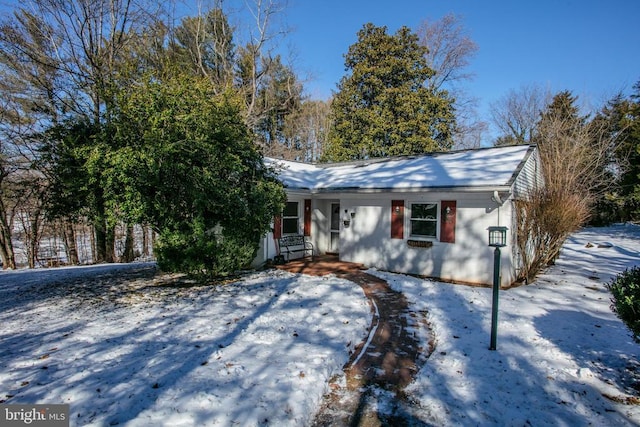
<point x="383" y="107"/>
<point x="622" y="117"/>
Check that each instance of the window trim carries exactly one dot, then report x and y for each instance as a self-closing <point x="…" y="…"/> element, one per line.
<point x="436" y="220"/>
<point x="291" y="217"/>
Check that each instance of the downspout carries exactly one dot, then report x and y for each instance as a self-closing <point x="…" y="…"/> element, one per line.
<point x="500" y="202"/>
<point x="496" y="198"/>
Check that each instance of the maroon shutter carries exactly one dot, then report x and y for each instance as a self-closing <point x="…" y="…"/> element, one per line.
<point x="277" y="227"/>
<point x="448" y="221"/>
<point x="397" y="219"/>
<point x="307" y="217"/>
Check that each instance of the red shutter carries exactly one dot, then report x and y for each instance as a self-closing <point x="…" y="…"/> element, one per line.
<point x="397" y="219"/>
<point x="307" y="217"/>
<point x="448" y="221"/>
<point x="277" y="227"/>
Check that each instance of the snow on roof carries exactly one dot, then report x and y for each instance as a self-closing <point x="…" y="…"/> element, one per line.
<point x="486" y="167"/>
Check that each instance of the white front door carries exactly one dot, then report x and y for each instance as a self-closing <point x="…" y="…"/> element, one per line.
<point x="334" y="232"/>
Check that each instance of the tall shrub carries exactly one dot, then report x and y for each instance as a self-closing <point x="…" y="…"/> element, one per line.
<point x="187" y="165"/>
<point x="574" y="156"/>
<point x="625" y="289"/>
<point x="544" y="221"/>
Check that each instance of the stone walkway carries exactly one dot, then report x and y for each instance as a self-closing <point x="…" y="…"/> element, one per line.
<point x="383" y="364"/>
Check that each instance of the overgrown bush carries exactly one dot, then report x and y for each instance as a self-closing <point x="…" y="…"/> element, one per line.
<point x="188" y="166"/>
<point x="574" y="160"/>
<point x="203" y="254"/>
<point x="625" y="289"/>
<point x="544" y="221"/>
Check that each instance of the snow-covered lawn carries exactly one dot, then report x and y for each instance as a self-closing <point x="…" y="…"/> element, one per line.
<point x="260" y="351"/>
<point x="563" y="357"/>
<point x="136" y="353"/>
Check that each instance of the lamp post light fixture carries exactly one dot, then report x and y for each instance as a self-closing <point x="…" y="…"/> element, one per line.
<point x="497" y="239"/>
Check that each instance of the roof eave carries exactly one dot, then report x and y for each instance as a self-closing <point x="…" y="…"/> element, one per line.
<point x="378" y="190"/>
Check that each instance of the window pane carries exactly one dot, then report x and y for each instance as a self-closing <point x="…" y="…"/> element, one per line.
<point x="424" y="211"/>
<point x="335" y="217"/>
<point x="290" y="225"/>
<point x="423" y="228"/>
<point x="291" y="209"/>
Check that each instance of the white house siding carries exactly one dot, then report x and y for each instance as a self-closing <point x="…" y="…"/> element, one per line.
<point x="367" y="239"/>
<point x="529" y="177"/>
<point x="483" y="183"/>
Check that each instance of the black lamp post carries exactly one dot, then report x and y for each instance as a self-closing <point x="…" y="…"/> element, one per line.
<point x="497" y="239"/>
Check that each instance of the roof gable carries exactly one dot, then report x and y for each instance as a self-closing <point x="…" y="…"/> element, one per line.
<point x="487" y="167"/>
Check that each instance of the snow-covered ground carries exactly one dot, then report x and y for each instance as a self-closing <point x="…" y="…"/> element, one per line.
<point x="260" y="351"/>
<point x="137" y="353"/>
<point x="563" y="358"/>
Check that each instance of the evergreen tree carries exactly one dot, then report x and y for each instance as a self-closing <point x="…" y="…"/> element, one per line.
<point x="187" y="165"/>
<point x="64" y="60"/>
<point x="383" y="107"/>
<point x="280" y="95"/>
<point x="630" y="151"/>
<point x="621" y="116"/>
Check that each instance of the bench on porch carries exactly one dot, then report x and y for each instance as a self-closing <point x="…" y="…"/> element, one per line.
<point x="293" y="244"/>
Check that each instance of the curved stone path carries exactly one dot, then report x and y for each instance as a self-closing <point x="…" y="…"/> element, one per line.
<point x="383" y="364"/>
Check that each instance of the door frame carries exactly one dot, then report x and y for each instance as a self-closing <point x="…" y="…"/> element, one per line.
<point x="334" y="219"/>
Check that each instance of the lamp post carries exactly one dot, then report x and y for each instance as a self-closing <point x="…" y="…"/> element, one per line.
<point x="497" y="239"/>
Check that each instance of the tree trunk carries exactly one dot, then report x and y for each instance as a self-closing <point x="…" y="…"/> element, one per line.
<point x="145" y="241"/>
<point x="69" y="234"/>
<point x="128" y="255"/>
<point x="32" y="238"/>
<point x="100" y="243"/>
<point x="110" y="244"/>
<point x="105" y="242"/>
<point x="6" y="245"/>
<point x="94" y="246"/>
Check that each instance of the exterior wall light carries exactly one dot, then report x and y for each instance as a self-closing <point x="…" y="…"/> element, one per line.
<point x="346" y="219"/>
<point x="497" y="237"/>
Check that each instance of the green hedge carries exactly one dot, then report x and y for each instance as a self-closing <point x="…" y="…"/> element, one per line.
<point x="203" y="255"/>
<point x="625" y="289"/>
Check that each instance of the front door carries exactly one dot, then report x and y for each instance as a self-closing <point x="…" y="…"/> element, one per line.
<point x="334" y="231"/>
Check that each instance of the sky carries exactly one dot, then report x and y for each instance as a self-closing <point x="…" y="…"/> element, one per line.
<point x="589" y="47"/>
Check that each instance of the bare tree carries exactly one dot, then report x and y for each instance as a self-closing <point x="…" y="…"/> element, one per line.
<point x="307" y="130"/>
<point x="450" y="50"/>
<point x="574" y="157"/>
<point x="63" y="58"/>
<point x="516" y="114"/>
<point x="15" y="181"/>
<point x="205" y="43"/>
<point x="256" y="57"/>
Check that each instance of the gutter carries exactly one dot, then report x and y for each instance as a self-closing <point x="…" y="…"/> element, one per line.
<point x="378" y="190"/>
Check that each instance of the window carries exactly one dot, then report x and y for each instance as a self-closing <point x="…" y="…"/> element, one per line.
<point x="424" y="220"/>
<point x="290" y="218"/>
